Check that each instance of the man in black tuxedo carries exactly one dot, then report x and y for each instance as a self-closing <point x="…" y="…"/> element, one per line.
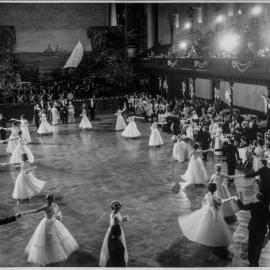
<point x="258" y="223"/>
<point x="10" y="219"/>
<point x="231" y="152"/>
<point x="264" y="182"/>
<point x="3" y="133"/>
<point x="92" y="109"/>
<point x="64" y="113"/>
<point x="36" y="115"/>
<point x="204" y="139"/>
<point x="116" y="248"/>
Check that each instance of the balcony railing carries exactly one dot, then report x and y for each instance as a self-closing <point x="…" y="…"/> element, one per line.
<point x="258" y="68"/>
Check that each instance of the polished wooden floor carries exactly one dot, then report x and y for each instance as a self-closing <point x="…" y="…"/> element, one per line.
<point x="87" y="170"/>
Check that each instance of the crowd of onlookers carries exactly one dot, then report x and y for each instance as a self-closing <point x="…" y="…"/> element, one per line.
<point x="251" y="44"/>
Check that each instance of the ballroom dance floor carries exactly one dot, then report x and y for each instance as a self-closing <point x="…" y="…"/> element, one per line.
<point x="87" y="170"/>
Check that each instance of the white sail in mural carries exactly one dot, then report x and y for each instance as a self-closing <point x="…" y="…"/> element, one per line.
<point x="75" y="57"/>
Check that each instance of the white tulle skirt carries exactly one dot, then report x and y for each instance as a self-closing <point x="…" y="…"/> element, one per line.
<point x="26" y="134"/>
<point x="120" y="123"/>
<point x="16" y="156"/>
<point x="85" y="123"/>
<point x="26" y="186"/>
<point x="45" y="128"/>
<point x="195" y="173"/>
<point x="50" y="243"/>
<point x="206" y="226"/>
<point x="227" y="209"/>
<point x="131" y="131"/>
<point x="104" y="254"/>
<point x="11" y="145"/>
<point x="180" y="152"/>
<point x="155" y="138"/>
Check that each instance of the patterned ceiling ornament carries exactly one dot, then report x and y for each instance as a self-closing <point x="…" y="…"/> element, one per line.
<point x="200" y="65"/>
<point x="242" y="67"/>
<point x="172" y="64"/>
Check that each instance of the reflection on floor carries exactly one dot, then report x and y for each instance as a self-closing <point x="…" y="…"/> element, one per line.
<point x="87" y="170"/>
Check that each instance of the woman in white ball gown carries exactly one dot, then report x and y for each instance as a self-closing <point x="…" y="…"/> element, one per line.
<point x="24" y="128"/>
<point x="55" y="115"/>
<point x="120" y="122"/>
<point x="115" y="218"/>
<point x="258" y="156"/>
<point x="21" y="148"/>
<point x="206" y="226"/>
<point x="13" y="138"/>
<point x="85" y="123"/>
<point x="131" y="131"/>
<point x="71" y="112"/>
<point x="51" y="241"/>
<point x="26" y="185"/>
<point x="221" y="180"/>
<point x="217" y="133"/>
<point x="196" y="173"/>
<point x="155" y="137"/>
<point x="44" y="127"/>
<point x="180" y="150"/>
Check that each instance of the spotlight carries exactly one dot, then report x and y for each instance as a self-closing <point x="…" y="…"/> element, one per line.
<point x="229" y="42"/>
<point x="187" y="25"/>
<point x="183" y="45"/>
<point x="239" y="12"/>
<point x="257" y="10"/>
<point x="220" y="19"/>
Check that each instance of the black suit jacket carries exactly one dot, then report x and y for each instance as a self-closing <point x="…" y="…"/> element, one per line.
<point x="117" y="253"/>
<point x="7" y="220"/>
<point x="231" y="153"/>
<point x="260" y="216"/>
<point x="264" y="183"/>
<point x="204" y="138"/>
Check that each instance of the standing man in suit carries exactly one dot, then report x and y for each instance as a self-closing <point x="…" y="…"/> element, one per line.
<point x="37" y="111"/>
<point x="231" y="152"/>
<point x="3" y="133"/>
<point x="264" y="182"/>
<point x="92" y="109"/>
<point x="258" y="223"/>
<point x="205" y="140"/>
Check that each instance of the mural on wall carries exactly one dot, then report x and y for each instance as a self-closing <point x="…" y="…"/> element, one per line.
<point x="57" y="27"/>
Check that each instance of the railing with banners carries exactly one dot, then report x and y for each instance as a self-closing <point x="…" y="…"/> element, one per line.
<point x="256" y="67"/>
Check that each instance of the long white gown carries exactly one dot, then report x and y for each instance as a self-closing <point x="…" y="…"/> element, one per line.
<point x="195" y="173"/>
<point x="25" y="130"/>
<point x="230" y="208"/>
<point x="20" y="149"/>
<point x="55" y="116"/>
<point x="218" y="142"/>
<point x="13" y="143"/>
<point x="206" y="226"/>
<point x="26" y="185"/>
<point x="155" y="137"/>
<point x="180" y="151"/>
<point x="85" y="123"/>
<point x="120" y="122"/>
<point x="131" y="131"/>
<point x="51" y="241"/>
<point x="104" y="254"/>
<point x="259" y="154"/>
<point x="44" y="127"/>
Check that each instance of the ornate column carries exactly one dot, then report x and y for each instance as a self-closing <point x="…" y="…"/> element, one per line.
<point x="113" y="15"/>
<point x="268" y="109"/>
<point x="216" y="95"/>
<point x="150" y="26"/>
<point x="231" y="105"/>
